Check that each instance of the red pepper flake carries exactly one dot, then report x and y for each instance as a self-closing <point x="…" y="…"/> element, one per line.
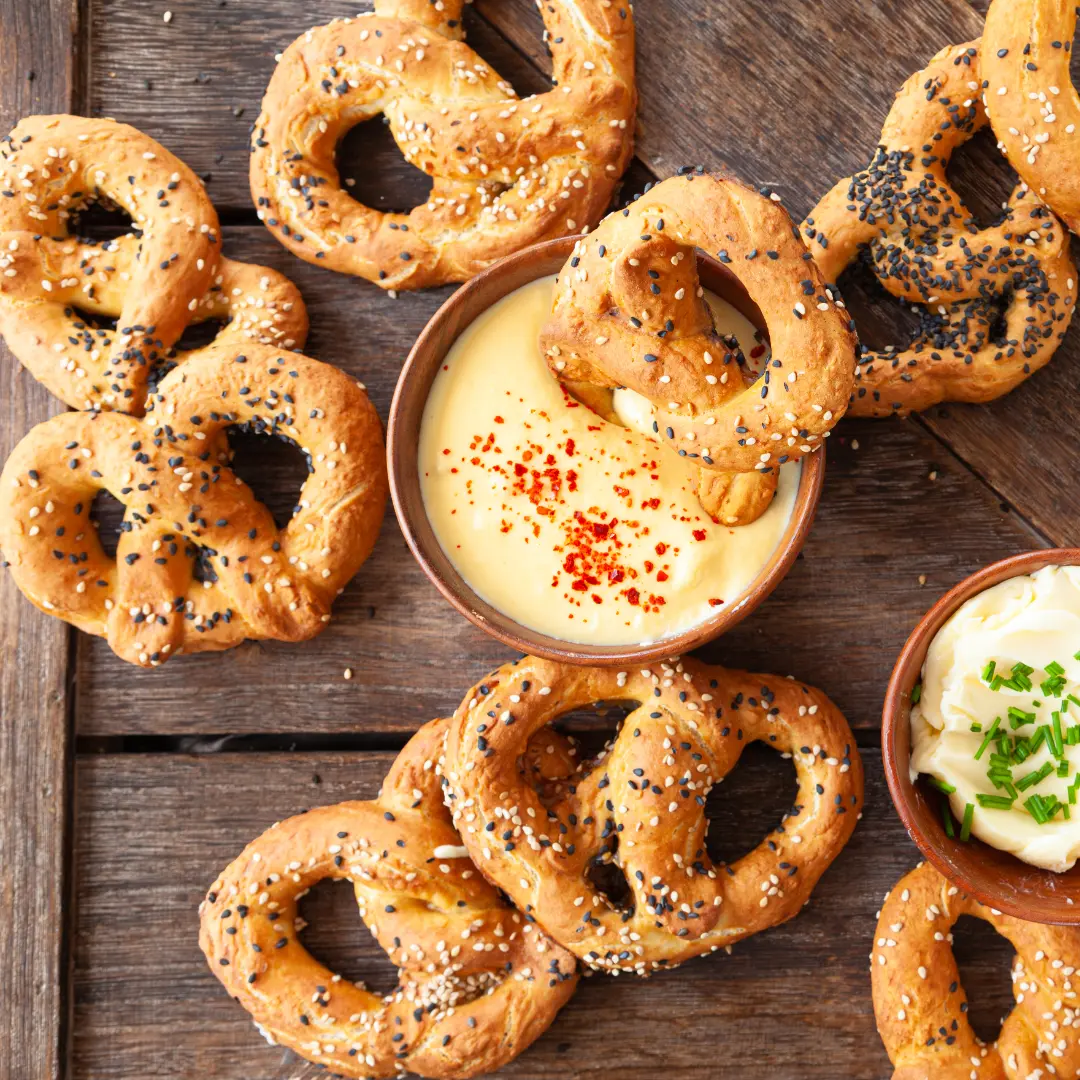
<point x="756" y="351"/>
<point x="699" y="534"/>
<point x="661" y="548"/>
<point x="715" y="602"/>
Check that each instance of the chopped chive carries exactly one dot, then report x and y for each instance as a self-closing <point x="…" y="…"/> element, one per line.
<point x="946" y="817"/>
<point x="1054" y="668"/>
<point x="1018" y="717"/>
<point x="943" y="786"/>
<point x="1036" y="777"/>
<point x="1072" y="735"/>
<point x="976" y="726"/>
<point x="987" y="738"/>
<point x="994" y="802"/>
<point x="1058" y="744"/>
<point x="916" y="693"/>
<point x="965" y="826"/>
<point x="988" y="671"/>
<point x="1036" y="808"/>
<point x="1063" y="768"/>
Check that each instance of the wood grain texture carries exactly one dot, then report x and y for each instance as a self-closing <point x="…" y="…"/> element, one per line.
<point x="878" y="529"/>
<point x="156" y="830"/>
<point x="196" y="84"/>
<point x="37" y="54"/>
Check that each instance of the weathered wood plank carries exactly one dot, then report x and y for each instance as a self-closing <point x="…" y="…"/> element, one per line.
<point x="196" y="84"/>
<point x="786" y="94"/>
<point x="879" y="528"/>
<point x="37" y="55"/>
<point x="154" y="831"/>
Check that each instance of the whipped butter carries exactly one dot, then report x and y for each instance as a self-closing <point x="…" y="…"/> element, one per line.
<point x="998" y="719"/>
<point x="573" y="526"/>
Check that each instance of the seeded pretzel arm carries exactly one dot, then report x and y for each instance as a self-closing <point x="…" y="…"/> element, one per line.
<point x="1030" y="98"/>
<point x="920" y="1004"/>
<point x="46" y="285"/>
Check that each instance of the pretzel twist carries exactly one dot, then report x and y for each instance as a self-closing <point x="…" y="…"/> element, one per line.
<point x="183" y="502"/>
<point x="154" y="283"/>
<point x="629" y="311"/>
<point x="478" y="981"/>
<point x="926" y="247"/>
<point x="921" y="1007"/>
<point x="506" y="172"/>
<point x="1030" y="98"/>
<point x="640" y="806"/>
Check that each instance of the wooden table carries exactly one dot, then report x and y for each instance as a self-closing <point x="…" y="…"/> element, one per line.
<point x="123" y="792"/>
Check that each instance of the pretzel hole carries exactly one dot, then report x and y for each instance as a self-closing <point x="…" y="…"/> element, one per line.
<point x="99" y="219"/>
<point x="198" y="335"/>
<point x="749" y="804"/>
<point x="374" y="172"/>
<point x="982" y="178"/>
<point x="332" y="937"/>
<point x="880" y="318"/>
<point x="273" y="466"/>
<point x="985" y="960"/>
<point x="608" y="878"/>
<point x="106" y="514"/>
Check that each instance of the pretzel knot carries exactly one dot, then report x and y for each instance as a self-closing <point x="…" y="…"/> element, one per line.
<point x="478" y="981"/>
<point x="1031" y="100"/>
<point x="998" y="299"/>
<point x="921" y="1007"/>
<point x="629" y="311"/>
<point x="641" y="805"/>
<point x="506" y="172"/>
<point x="184" y="504"/>
<point x="155" y="282"/>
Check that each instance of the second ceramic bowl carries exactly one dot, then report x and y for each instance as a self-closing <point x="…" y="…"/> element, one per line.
<point x="403" y="434"/>
<point x="993" y="877"/>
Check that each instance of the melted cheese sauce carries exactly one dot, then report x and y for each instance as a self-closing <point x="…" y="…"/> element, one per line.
<point x="573" y="526"/>
<point x="1034" y="621"/>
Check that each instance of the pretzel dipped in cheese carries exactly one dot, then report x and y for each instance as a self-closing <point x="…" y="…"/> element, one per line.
<point x="629" y="312"/>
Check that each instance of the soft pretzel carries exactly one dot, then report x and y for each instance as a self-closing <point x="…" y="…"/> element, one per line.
<point x="506" y="172"/>
<point x="184" y="503"/>
<point x="926" y="247"/>
<point x="478" y="980"/>
<point x="641" y="805"/>
<point x="629" y="311"/>
<point x="155" y="282"/>
<point x="921" y="1007"/>
<point x="1030" y="98"/>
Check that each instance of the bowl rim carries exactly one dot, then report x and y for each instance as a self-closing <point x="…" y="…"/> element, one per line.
<point x="432" y="558"/>
<point x="940" y="851"/>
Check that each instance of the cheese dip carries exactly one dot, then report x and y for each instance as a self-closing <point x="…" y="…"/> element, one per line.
<point x="997" y="725"/>
<point x="573" y="526"/>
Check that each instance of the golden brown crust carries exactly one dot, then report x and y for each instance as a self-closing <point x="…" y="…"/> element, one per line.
<point x="154" y="284"/>
<point x="170" y="470"/>
<point x="926" y="247"/>
<point x="478" y="981"/>
<point x="641" y="805"/>
<point x="506" y="172"/>
<point x="1030" y="98"/>
<point x="628" y="311"/>
<point x="921" y="1007"/>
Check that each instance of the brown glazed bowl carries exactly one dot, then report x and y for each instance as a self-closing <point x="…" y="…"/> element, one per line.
<point x="994" y="877"/>
<point x="402" y="438"/>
